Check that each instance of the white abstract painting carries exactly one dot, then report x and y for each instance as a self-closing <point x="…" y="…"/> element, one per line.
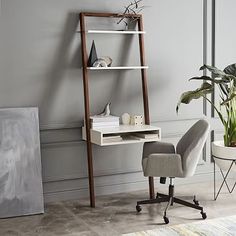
<point x="21" y="191"/>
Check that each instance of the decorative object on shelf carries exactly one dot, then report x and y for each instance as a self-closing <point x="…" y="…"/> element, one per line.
<point x="106" y="111"/>
<point x="103" y="62"/>
<point x="226" y="82"/>
<point x="21" y="190"/>
<point x="125" y="119"/>
<point x="133" y="8"/>
<point x="94" y="61"/>
<point x="92" y="55"/>
<point x="136" y="120"/>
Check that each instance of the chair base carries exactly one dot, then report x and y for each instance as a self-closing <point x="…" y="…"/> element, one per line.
<point x="171" y="200"/>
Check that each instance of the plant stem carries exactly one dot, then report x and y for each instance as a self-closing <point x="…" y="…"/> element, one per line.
<point x="218" y="112"/>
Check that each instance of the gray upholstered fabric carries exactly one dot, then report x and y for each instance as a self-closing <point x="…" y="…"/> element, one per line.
<point x="163" y="164"/>
<point x="191" y="144"/>
<point x="157" y="147"/>
<point x="161" y="159"/>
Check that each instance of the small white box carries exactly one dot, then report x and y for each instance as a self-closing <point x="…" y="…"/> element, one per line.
<point x="137" y="120"/>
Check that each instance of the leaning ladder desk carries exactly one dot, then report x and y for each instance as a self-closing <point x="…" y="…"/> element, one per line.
<point x="96" y="135"/>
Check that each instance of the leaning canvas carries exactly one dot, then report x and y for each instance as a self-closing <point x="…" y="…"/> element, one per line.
<point x="21" y="191"/>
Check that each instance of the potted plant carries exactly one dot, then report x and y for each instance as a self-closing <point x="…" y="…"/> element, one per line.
<point x="225" y="81"/>
<point x="134" y="8"/>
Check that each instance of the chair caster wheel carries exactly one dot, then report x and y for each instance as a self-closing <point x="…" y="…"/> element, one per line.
<point x="204" y="216"/>
<point x="196" y="202"/>
<point x="166" y="219"/>
<point x="138" y="208"/>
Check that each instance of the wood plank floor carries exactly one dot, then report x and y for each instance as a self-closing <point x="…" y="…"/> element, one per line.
<point x="115" y="214"/>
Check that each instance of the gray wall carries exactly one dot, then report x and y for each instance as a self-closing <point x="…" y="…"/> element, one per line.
<point x="40" y="60"/>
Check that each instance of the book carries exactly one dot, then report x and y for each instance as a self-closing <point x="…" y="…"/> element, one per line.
<point x="105" y="124"/>
<point x="112" y="139"/>
<point x="109" y="123"/>
<point x="104" y="121"/>
<point x="97" y="119"/>
<point x="147" y="136"/>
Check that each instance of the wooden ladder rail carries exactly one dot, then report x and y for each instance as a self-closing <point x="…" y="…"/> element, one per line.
<point x="145" y="92"/>
<point x="86" y="92"/>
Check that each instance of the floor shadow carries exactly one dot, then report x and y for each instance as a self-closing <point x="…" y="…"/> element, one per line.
<point x="157" y="223"/>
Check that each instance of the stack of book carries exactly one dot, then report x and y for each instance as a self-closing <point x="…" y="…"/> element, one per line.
<point x="112" y="138"/>
<point x="104" y="121"/>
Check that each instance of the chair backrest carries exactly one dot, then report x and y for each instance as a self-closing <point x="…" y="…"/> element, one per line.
<point x="191" y="144"/>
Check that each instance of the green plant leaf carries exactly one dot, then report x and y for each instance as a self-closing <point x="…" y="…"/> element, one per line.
<point x="214" y="70"/>
<point x="230" y="69"/>
<point x="231" y="72"/>
<point x="207" y="78"/>
<point x="219" y="73"/>
<point x="188" y="96"/>
<point x="225" y="89"/>
<point x="226" y="83"/>
<point x="228" y="99"/>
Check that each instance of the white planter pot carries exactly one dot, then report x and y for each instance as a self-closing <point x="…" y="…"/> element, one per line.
<point x="221" y="151"/>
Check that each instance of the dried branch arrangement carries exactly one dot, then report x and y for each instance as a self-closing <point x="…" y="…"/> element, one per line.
<point x="133" y="8"/>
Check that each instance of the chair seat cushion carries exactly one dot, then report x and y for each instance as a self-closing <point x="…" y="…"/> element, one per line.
<point x="163" y="165"/>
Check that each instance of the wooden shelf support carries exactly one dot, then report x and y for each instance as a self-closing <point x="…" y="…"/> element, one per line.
<point x="87" y="112"/>
<point x="140" y="32"/>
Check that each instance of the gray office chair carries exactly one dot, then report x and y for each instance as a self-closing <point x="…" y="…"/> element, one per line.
<point x="162" y="160"/>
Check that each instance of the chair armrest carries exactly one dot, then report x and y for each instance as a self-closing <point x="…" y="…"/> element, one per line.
<point x="163" y="165"/>
<point x="157" y="147"/>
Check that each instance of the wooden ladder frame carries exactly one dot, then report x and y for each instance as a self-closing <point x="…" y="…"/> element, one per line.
<point x="86" y="91"/>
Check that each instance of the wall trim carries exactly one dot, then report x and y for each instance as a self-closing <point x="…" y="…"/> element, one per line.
<point x="125" y="186"/>
<point x="79" y="124"/>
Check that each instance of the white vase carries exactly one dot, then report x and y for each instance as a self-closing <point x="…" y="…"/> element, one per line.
<point x="125" y="119"/>
<point x="221" y="151"/>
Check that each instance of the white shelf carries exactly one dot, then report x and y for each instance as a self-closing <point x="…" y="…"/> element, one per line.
<point x="127" y="132"/>
<point x="118" y="68"/>
<point x="126" y="128"/>
<point x="114" y="32"/>
<point x="128" y="141"/>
